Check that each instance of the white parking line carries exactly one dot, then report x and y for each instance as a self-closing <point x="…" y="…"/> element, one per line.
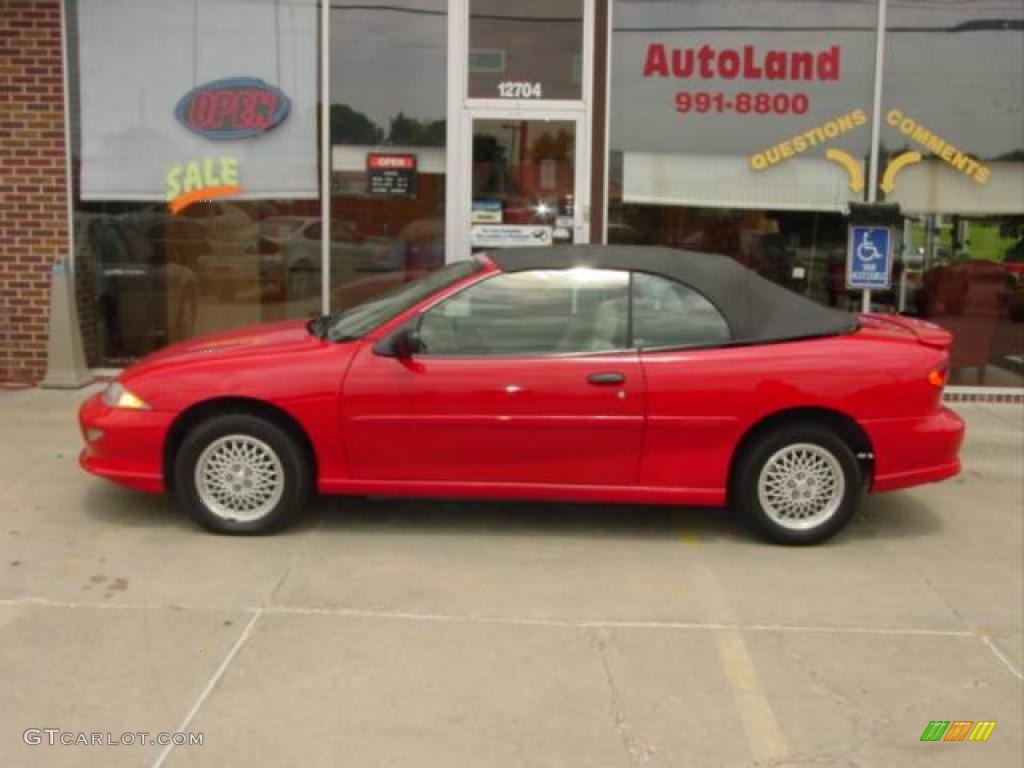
<point x="584" y="623"/>
<point x="210" y="685"/>
<point x="526" y="621"/>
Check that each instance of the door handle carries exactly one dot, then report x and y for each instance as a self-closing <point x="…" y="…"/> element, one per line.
<point x="606" y="378"/>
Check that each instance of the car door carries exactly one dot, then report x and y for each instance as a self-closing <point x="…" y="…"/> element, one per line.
<point x="695" y="381"/>
<point x="523" y="377"/>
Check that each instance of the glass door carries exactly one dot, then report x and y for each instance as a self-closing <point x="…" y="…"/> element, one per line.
<point x="523" y="183"/>
<point x="518" y="140"/>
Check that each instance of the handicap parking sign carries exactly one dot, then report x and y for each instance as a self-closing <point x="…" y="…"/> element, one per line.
<point x="869" y="257"/>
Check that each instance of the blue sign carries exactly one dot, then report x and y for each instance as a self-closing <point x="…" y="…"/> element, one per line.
<point x="869" y="257"/>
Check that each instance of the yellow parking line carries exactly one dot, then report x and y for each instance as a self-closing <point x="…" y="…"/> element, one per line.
<point x="762" y="730"/>
<point x="687" y="536"/>
<point x="765" y="738"/>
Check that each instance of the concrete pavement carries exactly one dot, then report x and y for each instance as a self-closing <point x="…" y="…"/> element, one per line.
<point x="408" y="633"/>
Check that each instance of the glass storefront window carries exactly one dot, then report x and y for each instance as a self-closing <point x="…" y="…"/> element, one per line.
<point x="742" y="129"/>
<point x="193" y="153"/>
<point x="952" y="157"/>
<point x="531" y="49"/>
<point x="387" y="128"/>
<point x="751" y="138"/>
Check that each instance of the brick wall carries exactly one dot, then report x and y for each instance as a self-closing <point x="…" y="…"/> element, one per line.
<point x="33" y="192"/>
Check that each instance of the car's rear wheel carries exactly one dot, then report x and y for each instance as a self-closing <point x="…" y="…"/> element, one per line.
<point x="798" y="484"/>
<point x="241" y="474"/>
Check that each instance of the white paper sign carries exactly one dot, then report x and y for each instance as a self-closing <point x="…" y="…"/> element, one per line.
<point x="510" y="235"/>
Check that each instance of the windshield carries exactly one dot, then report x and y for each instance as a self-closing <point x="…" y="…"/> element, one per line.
<point x="359" y="320"/>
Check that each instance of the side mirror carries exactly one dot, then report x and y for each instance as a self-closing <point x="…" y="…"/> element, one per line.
<point x="403" y="344"/>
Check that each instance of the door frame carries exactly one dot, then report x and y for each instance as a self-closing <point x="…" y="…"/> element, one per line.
<point x="462" y="110"/>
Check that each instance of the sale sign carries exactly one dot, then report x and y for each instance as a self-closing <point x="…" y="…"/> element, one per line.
<point x="204" y="179"/>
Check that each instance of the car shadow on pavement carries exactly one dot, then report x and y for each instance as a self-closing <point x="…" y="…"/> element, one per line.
<point x="888" y="516"/>
<point x="384" y="516"/>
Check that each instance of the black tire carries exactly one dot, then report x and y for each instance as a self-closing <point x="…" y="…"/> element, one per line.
<point x="292" y="460"/>
<point x="745" y="499"/>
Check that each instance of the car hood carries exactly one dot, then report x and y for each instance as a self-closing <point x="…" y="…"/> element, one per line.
<point x="271" y="338"/>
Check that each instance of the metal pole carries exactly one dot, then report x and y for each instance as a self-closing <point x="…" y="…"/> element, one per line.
<point x="609" y="23"/>
<point x="457" y="146"/>
<point x="902" y="306"/>
<point x="876" y="122"/>
<point x="325" y="156"/>
<point x="69" y="186"/>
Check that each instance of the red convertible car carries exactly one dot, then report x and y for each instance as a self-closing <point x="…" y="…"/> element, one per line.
<point x="595" y="373"/>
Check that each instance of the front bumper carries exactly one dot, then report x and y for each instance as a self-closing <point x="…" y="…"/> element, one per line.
<point x="915" y="451"/>
<point x="130" y="449"/>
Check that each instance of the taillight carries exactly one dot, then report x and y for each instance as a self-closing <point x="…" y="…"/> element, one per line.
<point x="937" y="376"/>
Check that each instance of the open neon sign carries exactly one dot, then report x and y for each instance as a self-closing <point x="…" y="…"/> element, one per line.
<point x="233" y="108"/>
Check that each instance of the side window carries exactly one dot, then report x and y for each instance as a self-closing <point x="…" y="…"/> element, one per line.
<point x="538" y="312"/>
<point x="669" y="314"/>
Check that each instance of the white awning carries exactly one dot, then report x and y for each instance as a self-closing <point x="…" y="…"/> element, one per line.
<point x="799" y="184"/>
<point x="934" y="187"/>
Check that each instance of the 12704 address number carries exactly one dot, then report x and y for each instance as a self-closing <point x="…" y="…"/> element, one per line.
<point x="519" y="90"/>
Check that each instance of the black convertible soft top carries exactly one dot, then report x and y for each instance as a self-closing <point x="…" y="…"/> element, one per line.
<point x="757" y="310"/>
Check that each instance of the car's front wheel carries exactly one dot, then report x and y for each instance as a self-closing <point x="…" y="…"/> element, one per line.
<point x="798" y="485"/>
<point x="241" y="474"/>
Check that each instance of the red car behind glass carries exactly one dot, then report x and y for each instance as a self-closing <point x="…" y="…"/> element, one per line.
<point x="608" y="374"/>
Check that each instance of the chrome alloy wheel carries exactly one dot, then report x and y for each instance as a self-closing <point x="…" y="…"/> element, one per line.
<point x="239" y="477"/>
<point x="801" y="486"/>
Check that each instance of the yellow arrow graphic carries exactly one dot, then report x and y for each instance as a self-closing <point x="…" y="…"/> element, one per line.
<point x="896" y="165"/>
<point x="852" y="167"/>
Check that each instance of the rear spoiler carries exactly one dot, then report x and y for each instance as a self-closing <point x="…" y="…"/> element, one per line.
<point x="929" y="334"/>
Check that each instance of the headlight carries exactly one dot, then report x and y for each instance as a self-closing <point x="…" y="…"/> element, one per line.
<point x="116" y="396"/>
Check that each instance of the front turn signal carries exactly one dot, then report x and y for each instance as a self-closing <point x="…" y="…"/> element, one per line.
<point x="117" y="396"/>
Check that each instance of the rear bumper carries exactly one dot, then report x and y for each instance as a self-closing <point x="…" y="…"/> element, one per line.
<point x="915" y="451"/>
<point x="130" y="450"/>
